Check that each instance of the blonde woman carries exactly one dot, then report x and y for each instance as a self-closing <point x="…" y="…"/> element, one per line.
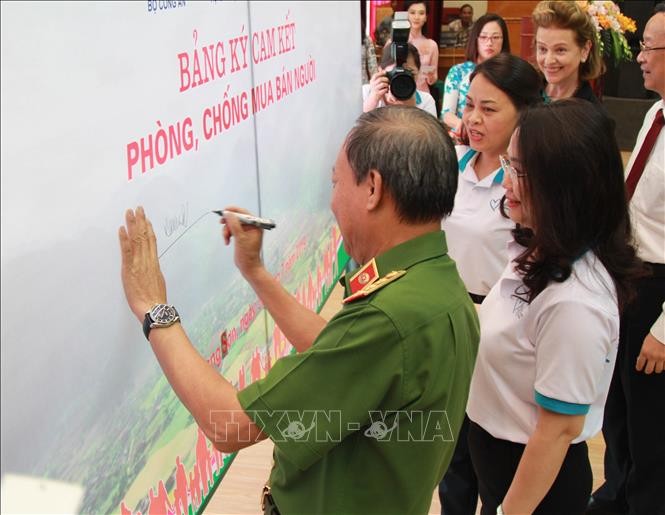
<point x="566" y="50"/>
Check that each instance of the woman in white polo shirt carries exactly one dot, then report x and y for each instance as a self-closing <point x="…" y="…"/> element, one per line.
<point x="550" y="325"/>
<point x="476" y="233"/>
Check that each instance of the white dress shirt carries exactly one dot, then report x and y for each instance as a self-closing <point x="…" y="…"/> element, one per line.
<point x="647" y="207"/>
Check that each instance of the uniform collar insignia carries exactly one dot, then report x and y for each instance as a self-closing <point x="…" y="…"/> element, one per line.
<point x="375" y="285"/>
<point x="365" y="276"/>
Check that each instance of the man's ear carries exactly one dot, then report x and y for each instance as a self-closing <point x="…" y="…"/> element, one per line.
<point x="375" y="189"/>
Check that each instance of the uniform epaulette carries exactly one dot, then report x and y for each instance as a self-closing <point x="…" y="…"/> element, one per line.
<point x="375" y="285"/>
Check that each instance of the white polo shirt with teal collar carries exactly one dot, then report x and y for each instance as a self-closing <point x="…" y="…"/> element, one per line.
<point x="557" y="352"/>
<point x="476" y="232"/>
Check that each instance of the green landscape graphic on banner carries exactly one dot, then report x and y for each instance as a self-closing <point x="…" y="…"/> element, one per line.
<point x="183" y="108"/>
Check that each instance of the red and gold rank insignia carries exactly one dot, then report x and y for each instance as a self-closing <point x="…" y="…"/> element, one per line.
<point x="374" y="285"/>
<point x="367" y="274"/>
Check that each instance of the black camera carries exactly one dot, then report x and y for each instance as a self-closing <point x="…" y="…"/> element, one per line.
<point x="402" y="83"/>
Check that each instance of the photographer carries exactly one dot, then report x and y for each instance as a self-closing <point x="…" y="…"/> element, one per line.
<point x="377" y="93"/>
<point x="416" y="15"/>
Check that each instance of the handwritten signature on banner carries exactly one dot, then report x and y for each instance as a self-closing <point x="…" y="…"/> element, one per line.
<point x="176" y="221"/>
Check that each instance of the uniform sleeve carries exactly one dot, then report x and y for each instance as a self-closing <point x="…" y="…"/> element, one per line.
<point x="451" y="90"/>
<point x="310" y="402"/>
<point x="575" y="345"/>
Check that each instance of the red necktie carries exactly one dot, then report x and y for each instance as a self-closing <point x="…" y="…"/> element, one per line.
<point x="642" y="156"/>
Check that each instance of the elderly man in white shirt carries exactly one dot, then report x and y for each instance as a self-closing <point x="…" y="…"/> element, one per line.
<point x="634" y="423"/>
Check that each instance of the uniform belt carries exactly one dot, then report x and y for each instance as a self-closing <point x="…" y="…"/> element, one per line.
<point x="477" y="299"/>
<point x="657" y="269"/>
<point x="268" y="503"/>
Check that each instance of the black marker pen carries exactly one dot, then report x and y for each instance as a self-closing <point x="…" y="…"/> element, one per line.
<point x="263" y="223"/>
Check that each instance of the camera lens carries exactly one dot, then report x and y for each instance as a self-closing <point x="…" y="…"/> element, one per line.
<point x="402" y="85"/>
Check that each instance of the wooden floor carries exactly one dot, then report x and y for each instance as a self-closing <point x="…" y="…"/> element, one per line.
<point x="239" y="491"/>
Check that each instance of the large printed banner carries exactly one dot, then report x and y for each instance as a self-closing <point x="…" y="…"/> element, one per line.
<point x="182" y="107"/>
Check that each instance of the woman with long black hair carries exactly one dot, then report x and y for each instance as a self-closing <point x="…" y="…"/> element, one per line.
<point x="550" y="325"/>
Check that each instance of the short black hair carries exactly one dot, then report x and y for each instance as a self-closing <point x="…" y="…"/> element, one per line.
<point x="514" y="76"/>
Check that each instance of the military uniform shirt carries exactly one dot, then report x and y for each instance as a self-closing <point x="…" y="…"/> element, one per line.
<point x="364" y="421"/>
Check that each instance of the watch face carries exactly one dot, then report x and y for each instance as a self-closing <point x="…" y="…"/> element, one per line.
<point x="163" y="314"/>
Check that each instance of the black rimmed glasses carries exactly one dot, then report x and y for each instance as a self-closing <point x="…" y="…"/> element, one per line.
<point x="644" y="48"/>
<point x="510" y="169"/>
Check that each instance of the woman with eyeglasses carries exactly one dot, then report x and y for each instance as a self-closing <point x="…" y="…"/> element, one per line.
<point x="550" y="325"/>
<point x="488" y="37"/>
<point x="566" y="50"/>
<point x="476" y="233"/>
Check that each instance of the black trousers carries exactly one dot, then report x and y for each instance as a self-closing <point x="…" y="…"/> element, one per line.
<point x="495" y="462"/>
<point x="458" y="490"/>
<point x="634" y="421"/>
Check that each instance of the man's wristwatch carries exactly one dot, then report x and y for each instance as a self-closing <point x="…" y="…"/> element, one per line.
<point x="160" y="315"/>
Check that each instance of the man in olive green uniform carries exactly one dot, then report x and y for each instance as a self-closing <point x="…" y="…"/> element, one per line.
<point x="365" y="416"/>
